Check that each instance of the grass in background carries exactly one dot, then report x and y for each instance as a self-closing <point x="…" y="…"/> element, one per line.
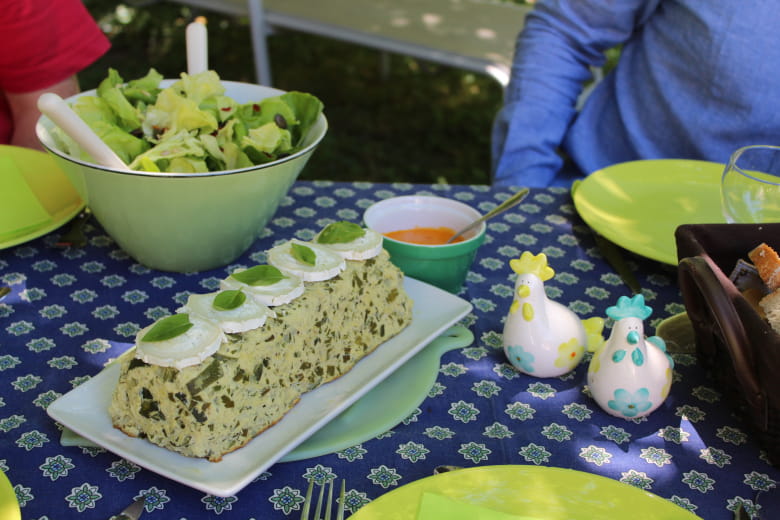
<point x="419" y="123"/>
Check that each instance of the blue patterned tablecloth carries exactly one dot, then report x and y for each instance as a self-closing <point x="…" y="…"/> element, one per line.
<point x="71" y="310"/>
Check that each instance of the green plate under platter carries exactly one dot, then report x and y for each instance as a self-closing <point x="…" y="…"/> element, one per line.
<point x="397" y="396"/>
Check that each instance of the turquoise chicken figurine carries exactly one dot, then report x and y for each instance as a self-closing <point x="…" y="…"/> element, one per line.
<point x="544" y="338"/>
<point x="630" y="375"/>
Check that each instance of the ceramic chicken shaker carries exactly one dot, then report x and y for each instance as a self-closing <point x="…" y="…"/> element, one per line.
<point x="544" y="338"/>
<point x="630" y="375"/>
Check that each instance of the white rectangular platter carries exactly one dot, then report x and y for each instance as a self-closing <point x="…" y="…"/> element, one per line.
<point x="85" y="408"/>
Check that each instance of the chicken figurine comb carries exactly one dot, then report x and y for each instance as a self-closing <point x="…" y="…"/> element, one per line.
<point x="630" y="375"/>
<point x="544" y="338"/>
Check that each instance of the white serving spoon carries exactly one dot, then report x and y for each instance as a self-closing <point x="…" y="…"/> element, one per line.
<point x="56" y="109"/>
<point x="197" y="46"/>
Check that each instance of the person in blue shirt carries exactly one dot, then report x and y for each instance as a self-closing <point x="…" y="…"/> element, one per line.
<point x="696" y="79"/>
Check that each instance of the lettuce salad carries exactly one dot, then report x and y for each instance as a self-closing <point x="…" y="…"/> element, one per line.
<point x="191" y="126"/>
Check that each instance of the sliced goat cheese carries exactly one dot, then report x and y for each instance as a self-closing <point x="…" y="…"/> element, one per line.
<point x="368" y="245"/>
<point x="311" y="262"/>
<point x="245" y="316"/>
<point x="265" y="284"/>
<point x="186" y="348"/>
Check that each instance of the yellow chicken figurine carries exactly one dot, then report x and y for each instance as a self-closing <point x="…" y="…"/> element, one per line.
<point x="543" y="338"/>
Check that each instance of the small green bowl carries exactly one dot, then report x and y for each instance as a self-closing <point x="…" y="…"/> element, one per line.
<point x="444" y="266"/>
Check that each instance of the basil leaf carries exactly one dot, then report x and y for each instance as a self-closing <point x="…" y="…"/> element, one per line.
<point x="303" y="254"/>
<point x="260" y="275"/>
<point x="228" y="300"/>
<point x="168" y="328"/>
<point x="340" y="233"/>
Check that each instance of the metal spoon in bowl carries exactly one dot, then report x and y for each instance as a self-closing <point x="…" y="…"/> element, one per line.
<point x="56" y="109"/>
<point x="512" y="201"/>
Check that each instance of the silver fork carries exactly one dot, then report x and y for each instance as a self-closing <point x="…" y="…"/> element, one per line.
<point x="328" y="505"/>
<point x="131" y="512"/>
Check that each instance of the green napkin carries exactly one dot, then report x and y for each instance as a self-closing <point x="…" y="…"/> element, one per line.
<point x="434" y="507"/>
<point x="20" y="210"/>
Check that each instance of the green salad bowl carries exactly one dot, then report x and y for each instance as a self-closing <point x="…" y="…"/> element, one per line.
<point x="185" y="222"/>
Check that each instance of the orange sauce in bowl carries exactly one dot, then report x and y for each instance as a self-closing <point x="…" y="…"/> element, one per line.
<point x="428" y="236"/>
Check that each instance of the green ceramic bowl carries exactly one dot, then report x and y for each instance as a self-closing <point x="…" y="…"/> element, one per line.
<point x="444" y="266"/>
<point x="186" y="222"/>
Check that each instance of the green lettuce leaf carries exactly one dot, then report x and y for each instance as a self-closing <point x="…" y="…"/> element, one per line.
<point x="267" y="142"/>
<point x="223" y="108"/>
<point x="199" y="87"/>
<point x="269" y="110"/>
<point x="186" y="165"/>
<point x="144" y="89"/>
<point x="212" y="148"/>
<point x="181" y="144"/>
<point x="109" y="90"/>
<point x="307" y="108"/>
<point x="235" y="158"/>
<point x="91" y="109"/>
<point x="126" y="146"/>
<point x="173" y="113"/>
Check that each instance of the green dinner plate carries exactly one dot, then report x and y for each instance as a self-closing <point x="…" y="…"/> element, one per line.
<point x="639" y="204"/>
<point x="528" y="491"/>
<point x="37" y="196"/>
<point x="9" y="506"/>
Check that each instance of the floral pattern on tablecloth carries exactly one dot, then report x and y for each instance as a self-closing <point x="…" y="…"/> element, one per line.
<point x="72" y="310"/>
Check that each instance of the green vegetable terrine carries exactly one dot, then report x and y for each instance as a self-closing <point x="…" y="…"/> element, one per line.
<point x="255" y="377"/>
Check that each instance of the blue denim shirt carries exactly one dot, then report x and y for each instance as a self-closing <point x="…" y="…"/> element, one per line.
<point x="696" y="79"/>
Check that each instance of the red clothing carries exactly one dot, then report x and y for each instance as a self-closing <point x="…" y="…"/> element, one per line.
<point x="44" y="42"/>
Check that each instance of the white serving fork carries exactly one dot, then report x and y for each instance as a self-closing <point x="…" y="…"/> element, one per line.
<point x="307" y="502"/>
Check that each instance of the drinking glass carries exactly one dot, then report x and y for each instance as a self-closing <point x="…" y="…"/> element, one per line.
<point x="750" y="186"/>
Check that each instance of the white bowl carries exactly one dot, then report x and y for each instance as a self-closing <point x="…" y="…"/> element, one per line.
<point x="185" y="222"/>
<point x="409" y="211"/>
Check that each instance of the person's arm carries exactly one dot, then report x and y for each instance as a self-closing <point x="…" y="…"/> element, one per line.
<point x="25" y="113"/>
<point x="561" y="40"/>
<point x="46" y="43"/>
